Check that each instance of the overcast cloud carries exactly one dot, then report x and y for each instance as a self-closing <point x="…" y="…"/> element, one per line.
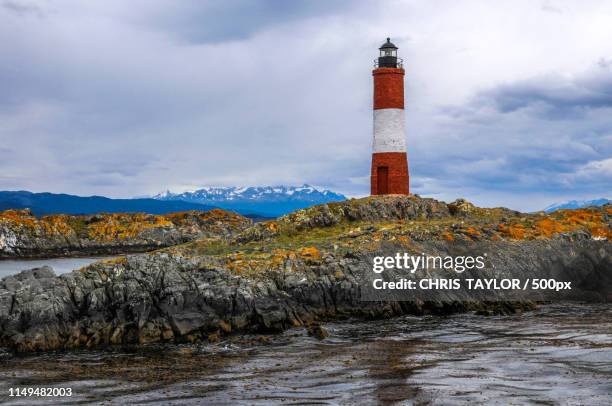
<point x="508" y="103"/>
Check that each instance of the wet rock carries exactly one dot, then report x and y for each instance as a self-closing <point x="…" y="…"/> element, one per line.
<point x="264" y="339"/>
<point x="318" y="331"/>
<point x="225" y="326"/>
<point x="186" y="322"/>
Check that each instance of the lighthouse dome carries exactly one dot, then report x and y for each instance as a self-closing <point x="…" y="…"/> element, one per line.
<point x="388" y="45"/>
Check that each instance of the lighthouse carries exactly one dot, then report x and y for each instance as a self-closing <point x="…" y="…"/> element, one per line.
<point x="389" y="160"/>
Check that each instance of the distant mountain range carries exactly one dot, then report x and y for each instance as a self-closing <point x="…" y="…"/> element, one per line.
<point x="577" y="204"/>
<point x="51" y="203"/>
<point x="269" y="201"/>
<point x="257" y="203"/>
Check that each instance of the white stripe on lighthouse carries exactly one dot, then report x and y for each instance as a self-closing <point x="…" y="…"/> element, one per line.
<point x="389" y="130"/>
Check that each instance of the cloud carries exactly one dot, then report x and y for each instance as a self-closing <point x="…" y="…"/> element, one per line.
<point x="602" y="168"/>
<point x="22" y="8"/>
<point x="555" y="96"/>
<point x="231" y="20"/>
<point x="551" y="7"/>
<point x="541" y="135"/>
<point x="101" y="98"/>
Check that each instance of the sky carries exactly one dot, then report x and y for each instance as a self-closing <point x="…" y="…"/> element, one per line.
<point x="508" y="103"/>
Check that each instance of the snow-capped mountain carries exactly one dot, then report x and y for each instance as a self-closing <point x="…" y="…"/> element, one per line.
<point x="271" y="201"/>
<point x="576" y="204"/>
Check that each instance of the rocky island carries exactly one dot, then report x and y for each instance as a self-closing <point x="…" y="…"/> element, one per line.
<point x="303" y="268"/>
<point x="23" y="235"/>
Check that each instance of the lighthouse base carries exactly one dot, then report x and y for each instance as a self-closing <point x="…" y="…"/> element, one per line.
<point x="389" y="173"/>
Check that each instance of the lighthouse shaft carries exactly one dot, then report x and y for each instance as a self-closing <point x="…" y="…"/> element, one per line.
<point x="389" y="159"/>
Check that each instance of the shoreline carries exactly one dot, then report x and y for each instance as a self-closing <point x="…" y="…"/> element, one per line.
<point x="408" y="358"/>
<point x="85" y="253"/>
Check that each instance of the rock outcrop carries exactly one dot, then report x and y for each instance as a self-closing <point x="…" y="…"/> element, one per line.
<point x="22" y="235"/>
<point x="303" y="268"/>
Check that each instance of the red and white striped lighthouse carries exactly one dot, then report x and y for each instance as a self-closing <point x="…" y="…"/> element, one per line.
<point x="389" y="159"/>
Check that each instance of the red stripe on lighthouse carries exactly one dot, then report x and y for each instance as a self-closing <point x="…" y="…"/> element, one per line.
<point x="393" y="166"/>
<point x="388" y="88"/>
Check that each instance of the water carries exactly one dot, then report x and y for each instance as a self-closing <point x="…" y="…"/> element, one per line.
<point x="59" y="265"/>
<point x="558" y="354"/>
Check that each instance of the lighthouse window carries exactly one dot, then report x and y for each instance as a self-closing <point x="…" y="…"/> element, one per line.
<point x="388" y="52"/>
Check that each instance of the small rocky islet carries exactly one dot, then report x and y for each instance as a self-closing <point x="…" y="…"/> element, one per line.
<point x="23" y="235"/>
<point x="298" y="270"/>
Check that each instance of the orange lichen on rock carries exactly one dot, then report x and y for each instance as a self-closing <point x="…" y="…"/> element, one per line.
<point x="214" y="215"/>
<point x="580" y="216"/>
<point x="56" y="224"/>
<point x="238" y="267"/>
<point x="19" y="218"/>
<point x="513" y="231"/>
<point x="403" y="238"/>
<point x="448" y="236"/>
<point x="280" y="256"/>
<point x="601" y="232"/>
<point x="590" y="220"/>
<point x="472" y="231"/>
<point x="47" y="225"/>
<point x="123" y="226"/>
<point x="549" y="227"/>
<point x="310" y="253"/>
<point x="237" y="263"/>
<point x="258" y="263"/>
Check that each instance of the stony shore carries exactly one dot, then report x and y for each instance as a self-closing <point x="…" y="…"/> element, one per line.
<point x="309" y="266"/>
